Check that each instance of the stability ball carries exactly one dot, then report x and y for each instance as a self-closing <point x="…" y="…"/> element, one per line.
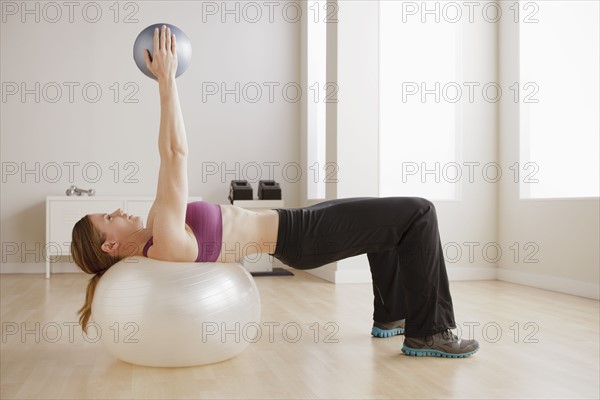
<point x="175" y="314"/>
<point x="145" y="40"/>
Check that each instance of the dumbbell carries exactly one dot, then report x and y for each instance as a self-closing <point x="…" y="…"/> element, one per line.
<point x="239" y="190"/>
<point x="74" y="190"/>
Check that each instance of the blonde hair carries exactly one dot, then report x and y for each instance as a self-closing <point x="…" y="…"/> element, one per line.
<point x="86" y="249"/>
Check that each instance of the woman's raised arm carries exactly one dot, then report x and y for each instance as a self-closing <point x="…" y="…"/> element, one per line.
<point x="167" y="216"/>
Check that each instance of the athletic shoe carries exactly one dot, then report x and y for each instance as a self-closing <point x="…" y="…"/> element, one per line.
<point x="443" y="344"/>
<point x="387" y="329"/>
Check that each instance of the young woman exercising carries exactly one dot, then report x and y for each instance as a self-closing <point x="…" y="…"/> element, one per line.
<point x="399" y="235"/>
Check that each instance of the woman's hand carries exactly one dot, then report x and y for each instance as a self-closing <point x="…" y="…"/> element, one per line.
<point x="163" y="63"/>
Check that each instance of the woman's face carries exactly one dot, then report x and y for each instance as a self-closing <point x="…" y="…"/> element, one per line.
<point x="117" y="226"/>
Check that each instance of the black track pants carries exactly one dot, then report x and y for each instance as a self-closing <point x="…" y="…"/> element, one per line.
<point x="401" y="239"/>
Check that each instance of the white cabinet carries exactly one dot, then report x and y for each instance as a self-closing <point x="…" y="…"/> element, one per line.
<point x="62" y="212"/>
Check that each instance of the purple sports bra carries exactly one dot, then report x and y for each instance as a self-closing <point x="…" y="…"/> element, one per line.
<point x="206" y="223"/>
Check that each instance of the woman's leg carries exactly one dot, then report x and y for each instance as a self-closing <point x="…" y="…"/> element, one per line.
<point x="389" y="311"/>
<point x="414" y="282"/>
<point x="401" y="239"/>
<point x="388" y="294"/>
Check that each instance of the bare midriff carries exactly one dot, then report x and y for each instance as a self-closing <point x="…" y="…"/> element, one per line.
<point x="247" y="232"/>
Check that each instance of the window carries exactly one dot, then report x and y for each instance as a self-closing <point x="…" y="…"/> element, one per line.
<point x="558" y="99"/>
<point x="315" y="98"/>
<point x="420" y="124"/>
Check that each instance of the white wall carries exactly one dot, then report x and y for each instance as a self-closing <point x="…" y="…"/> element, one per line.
<point x="563" y="234"/>
<point x="108" y="132"/>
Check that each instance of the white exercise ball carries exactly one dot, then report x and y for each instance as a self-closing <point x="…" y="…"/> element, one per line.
<point x="175" y="314"/>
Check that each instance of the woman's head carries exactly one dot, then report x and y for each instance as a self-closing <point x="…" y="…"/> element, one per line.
<point x="117" y="229"/>
<point x="94" y="248"/>
<point x="98" y="242"/>
<point x="86" y="248"/>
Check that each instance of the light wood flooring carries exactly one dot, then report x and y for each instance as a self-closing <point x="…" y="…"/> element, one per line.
<point x="534" y="344"/>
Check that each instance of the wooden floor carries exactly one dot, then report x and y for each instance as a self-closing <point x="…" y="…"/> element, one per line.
<point x="534" y="344"/>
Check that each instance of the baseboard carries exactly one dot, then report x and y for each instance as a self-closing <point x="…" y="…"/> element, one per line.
<point x="342" y="275"/>
<point x="353" y="276"/>
<point x="471" y="273"/>
<point x="338" y="276"/>
<point x="38" y="268"/>
<point x="326" y="272"/>
<point x="549" y="282"/>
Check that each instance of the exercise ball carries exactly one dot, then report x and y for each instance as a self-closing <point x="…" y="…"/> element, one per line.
<point x="145" y="40"/>
<point x="175" y="314"/>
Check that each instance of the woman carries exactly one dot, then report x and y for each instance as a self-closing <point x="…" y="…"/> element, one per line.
<point x="399" y="235"/>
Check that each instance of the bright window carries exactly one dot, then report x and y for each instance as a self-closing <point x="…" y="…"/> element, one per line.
<point x="419" y="132"/>
<point x="558" y="99"/>
<point x="316" y="98"/>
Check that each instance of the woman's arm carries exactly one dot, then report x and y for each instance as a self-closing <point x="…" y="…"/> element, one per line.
<point x="167" y="215"/>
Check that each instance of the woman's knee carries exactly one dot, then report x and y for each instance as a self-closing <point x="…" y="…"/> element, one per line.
<point x="424" y="204"/>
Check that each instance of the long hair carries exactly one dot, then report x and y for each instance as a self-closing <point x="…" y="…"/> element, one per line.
<point x="87" y="253"/>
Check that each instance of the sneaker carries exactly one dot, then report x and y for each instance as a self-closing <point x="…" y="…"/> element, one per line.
<point x="387" y="329"/>
<point x="443" y="344"/>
